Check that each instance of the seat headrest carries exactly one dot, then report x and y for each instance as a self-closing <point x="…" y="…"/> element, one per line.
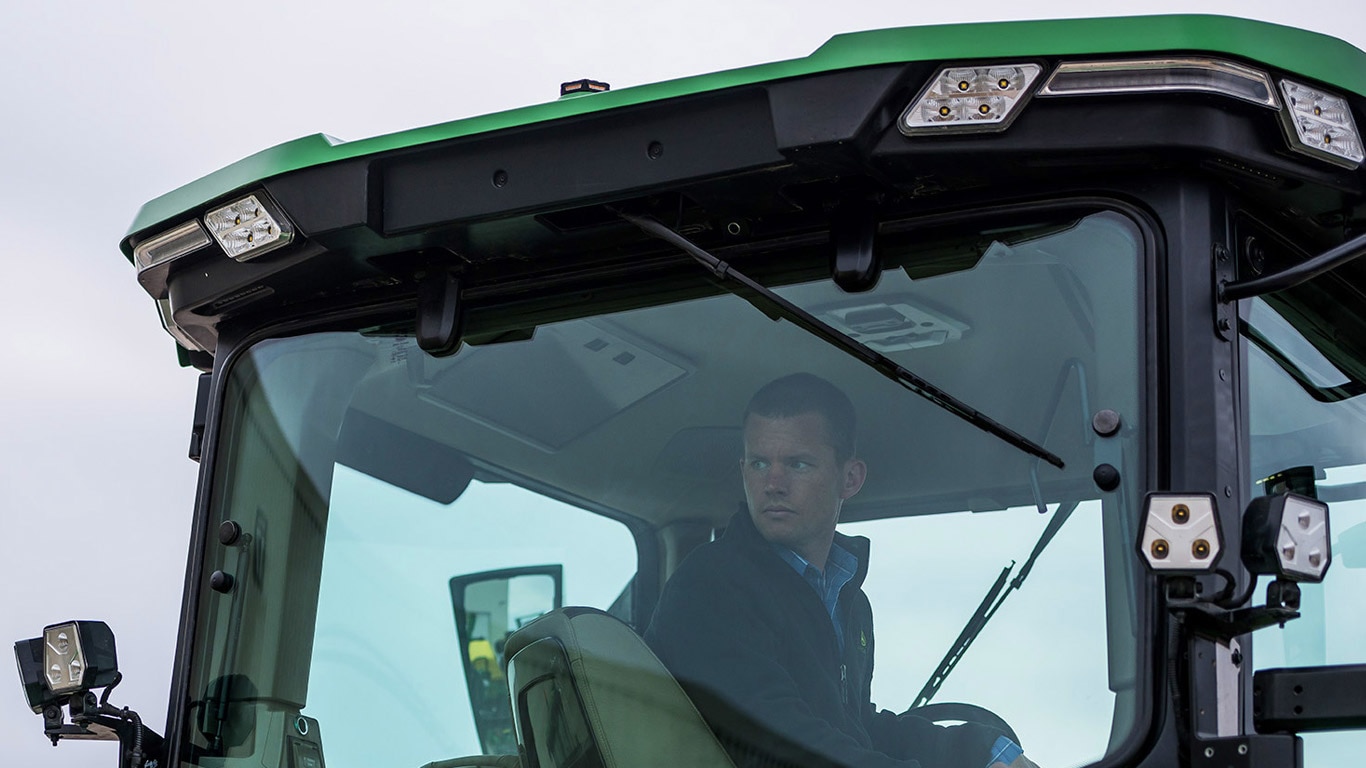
<point x="637" y="713"/>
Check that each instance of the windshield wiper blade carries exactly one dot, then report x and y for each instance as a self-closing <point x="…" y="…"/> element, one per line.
<point x="990" y="604"/>
<point x="777" y="307"/>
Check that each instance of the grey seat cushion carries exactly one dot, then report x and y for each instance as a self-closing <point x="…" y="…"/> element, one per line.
<point x="637" y="712"/>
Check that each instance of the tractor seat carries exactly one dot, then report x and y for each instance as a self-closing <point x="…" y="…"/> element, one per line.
<point x="587" y="692"/>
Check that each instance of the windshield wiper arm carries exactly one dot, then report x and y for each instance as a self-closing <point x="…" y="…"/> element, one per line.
<point x="989" y="605"/>
<point x="777" y="307"/>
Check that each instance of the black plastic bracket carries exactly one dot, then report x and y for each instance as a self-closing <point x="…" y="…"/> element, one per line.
<point x="1309" y="698"/>
<point x="1250" y="751"/>
<point x="1300" y="273"/>
<point x="1223" y="626"/>
<point x="439" y="312"/>
<point x="1225" y="313"/>
<point x="201" y="415"/>
<point x="139" y="746"/>
<point x="856" y="266"/>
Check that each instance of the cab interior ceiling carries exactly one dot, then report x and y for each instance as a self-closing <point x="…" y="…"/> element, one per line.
<point x="662" y="442"/>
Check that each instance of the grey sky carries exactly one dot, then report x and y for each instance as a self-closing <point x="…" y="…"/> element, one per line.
<point x="107" y="105"/>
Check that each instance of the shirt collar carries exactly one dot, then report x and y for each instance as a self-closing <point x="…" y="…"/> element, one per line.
<point x="840" y="559"/>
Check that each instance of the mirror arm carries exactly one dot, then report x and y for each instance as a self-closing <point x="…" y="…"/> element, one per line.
<point x="1300" y="273"/>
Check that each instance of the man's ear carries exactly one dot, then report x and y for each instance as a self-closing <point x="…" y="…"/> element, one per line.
<point x="855" y="472"/>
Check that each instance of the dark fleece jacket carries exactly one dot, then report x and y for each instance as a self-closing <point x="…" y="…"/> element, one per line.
<point x="753" y="646"/>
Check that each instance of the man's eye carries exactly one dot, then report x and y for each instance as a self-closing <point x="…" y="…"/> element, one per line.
<point x="758" y="464"/>
<point x="799" y="465"/>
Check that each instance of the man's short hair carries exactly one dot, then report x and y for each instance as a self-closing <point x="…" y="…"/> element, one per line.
<point x="800" y="393"/>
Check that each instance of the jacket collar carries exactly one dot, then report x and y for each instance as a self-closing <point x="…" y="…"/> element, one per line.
<point x="741" y="529"/>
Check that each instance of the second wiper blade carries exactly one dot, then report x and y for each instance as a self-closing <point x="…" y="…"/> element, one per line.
<point x="776" y="307"/>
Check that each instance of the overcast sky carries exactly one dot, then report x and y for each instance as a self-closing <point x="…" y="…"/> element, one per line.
<point x="104" y="106"/>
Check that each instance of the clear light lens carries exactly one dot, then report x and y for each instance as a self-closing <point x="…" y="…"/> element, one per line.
<point x="970" y="99"/>
<point x="1302" y="543"/>
<point x="1181" y="75"/>
<point x="1322" y="124"/>
<point x="168" y="322"/>
<point x="246" y="229"/>
<point x="186" y="238"/>
<point x="62" y="658"/>
<point x="1180" y="533"/>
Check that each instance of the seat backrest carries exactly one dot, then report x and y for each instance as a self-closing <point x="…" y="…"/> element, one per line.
<point x="587" y="692"/>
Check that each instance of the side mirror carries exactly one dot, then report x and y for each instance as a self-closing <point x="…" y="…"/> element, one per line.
<point x="489" y="606"/>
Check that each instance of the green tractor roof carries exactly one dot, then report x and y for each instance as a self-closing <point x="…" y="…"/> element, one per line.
<point x="1307" y="54"/>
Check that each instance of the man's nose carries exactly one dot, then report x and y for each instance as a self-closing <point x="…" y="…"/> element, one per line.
<point x="775" y="479"/>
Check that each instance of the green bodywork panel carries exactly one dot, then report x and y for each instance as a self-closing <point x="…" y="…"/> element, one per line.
<point x="1311" y="55"/>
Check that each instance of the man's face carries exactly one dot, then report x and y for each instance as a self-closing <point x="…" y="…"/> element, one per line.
<point x="794" y="484"/>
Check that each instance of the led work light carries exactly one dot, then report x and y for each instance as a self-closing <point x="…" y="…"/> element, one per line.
<point x="246" y="228"/>
<point x="1286" y="536"/>
<point x="170" y="245"/>
<point x="967" y="99"/>
<point x="167" y="314"/>
<point x="67" y="659"/>
<point x="1180" y="532"/>
<point x="1167" y="75"/>
<point x="1320" y="123"/>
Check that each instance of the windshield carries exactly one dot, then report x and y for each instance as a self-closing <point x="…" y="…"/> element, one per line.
<point x="1307" y="420"/>
<point x="390" y="520"/>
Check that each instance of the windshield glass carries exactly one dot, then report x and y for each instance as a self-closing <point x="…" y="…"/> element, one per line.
<point x="390" y="521"/>
<point x="1307" y="422"/>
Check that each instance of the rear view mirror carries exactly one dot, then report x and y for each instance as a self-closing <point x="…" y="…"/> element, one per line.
<point x="489" y="606"/>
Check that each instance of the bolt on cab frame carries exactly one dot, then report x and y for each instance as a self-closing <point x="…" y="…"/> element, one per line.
<point x="1089" y="284"/>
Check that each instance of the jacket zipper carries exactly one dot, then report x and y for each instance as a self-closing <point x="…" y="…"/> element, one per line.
<point x="844" y="683"/>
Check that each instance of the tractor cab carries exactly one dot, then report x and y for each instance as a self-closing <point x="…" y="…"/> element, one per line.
<point x="471" y="394"/>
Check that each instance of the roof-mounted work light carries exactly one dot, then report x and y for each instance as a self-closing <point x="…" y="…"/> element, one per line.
<point x="170" y="245"/>
<point x="1286" y="536"/>
<point x="1320" y="123"/>
<point x="167" y="313"/>
<point x="1166" y="75"/>
<point x="1180" y="533"/>
<point x="247" y="228"/>
<point x="965" y="99"/>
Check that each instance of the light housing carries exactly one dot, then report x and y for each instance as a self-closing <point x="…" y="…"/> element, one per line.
<point x="1180" y="533"/>
<point x="1287" y="536"/>
<point x="170" y="245"/>
<point x="68" y="658"/>
<point x="78" y="656"/>
<point x="247" y="228"/>
<point x="29" y="656"/>
<point x="1164" y="75"/>
<point x="970" y="99"/>
<point x="167" y="314"/>
<point x="1320" y="123"/>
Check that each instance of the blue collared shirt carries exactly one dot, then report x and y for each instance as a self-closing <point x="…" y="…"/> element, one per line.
<point x="840" y="567"/>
